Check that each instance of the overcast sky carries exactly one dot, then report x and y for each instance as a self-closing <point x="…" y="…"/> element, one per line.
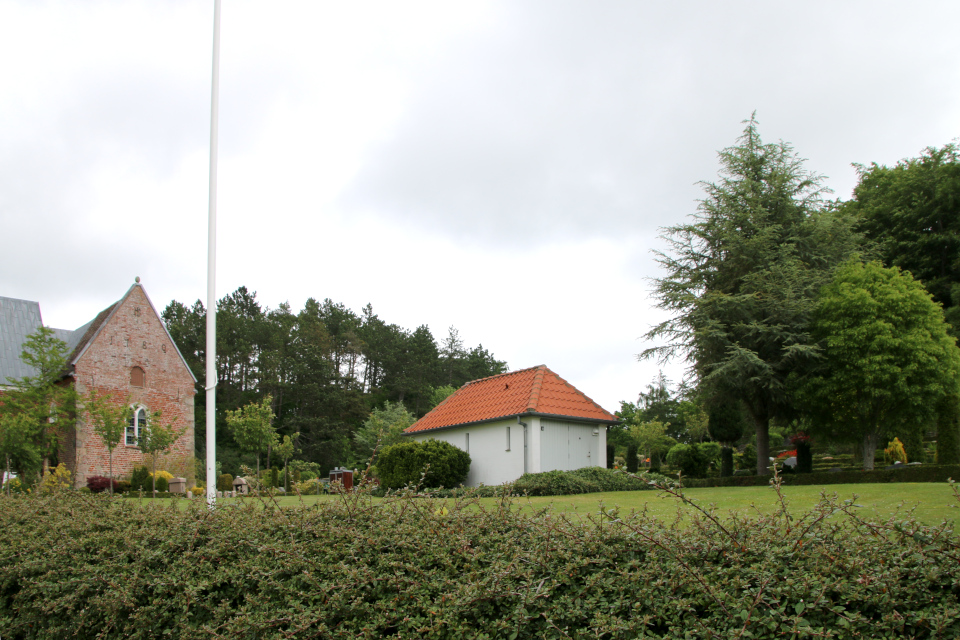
<point x="503" y="167"/>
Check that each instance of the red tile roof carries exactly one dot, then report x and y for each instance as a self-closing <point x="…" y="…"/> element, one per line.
<point x="537" y="390"/>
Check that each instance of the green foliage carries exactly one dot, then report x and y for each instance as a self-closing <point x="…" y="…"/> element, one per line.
<point x="225" y="482"/>
<point x="748" y="460"/>
<point x="109" y="419"/>
<point x="306" y="469"/>
<point x="440" y="394"/>
<point x="140" y="479"/>
<point x="585" y="480"/>
<point x="252" y="427"/>
<point x="690" y="459"/>
<point x="632" y="461"/>
<point x="948" y="430"/>
<point x="725" y="421"/>
<point x="35" y="409"/>
<point x="161" y="484"/>
<point x="413" y="568"/>
<point x="439" y="463"/>
<point x="383" y="428"/>
<point x="710" y="451"/>
<point x="886" y="358"/>
<point x="157" y="439"/>
<point x="910" y="212"/>
<point x="742" y="277"/>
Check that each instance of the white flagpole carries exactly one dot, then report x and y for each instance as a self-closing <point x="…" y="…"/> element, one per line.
<point x="211" y="351"/>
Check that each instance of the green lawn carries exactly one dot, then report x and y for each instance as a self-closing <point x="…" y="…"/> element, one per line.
<point x="931" y="503"/>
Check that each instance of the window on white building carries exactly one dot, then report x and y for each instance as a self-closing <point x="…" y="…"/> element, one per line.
<point x="508" y="438"/>
<point x="468" y="443"/>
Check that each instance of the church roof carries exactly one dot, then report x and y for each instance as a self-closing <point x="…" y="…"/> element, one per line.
<point x="535" y="391"/>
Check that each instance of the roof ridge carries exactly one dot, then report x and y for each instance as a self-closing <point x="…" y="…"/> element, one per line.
<point x="534" y="401"/>
<point x="498" y="375"/>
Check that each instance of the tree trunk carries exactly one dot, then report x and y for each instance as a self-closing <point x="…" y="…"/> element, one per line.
<point x="869" y="450"/>
<point x="6" y="477"/>
<point x="111" y="471"/>
<point x="763" y="447"/>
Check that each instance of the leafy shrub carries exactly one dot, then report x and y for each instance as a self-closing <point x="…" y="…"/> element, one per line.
<point x="98" y="484"/>
<point x="689" y="459"/>
<point x="354" y="568"/>
<point x="554" y="483"/>
<point x="56" y="480"/>
<point x="225" y="482"/>
<point x="140" y="479"/>
<point x="14" y="486"/>
<point x="162" y="484"/>
<point x="710" y="451"/>
<point x="748" y="460"/>
<point x="162" y="473"/>
<point x="585" y="480"/>
<point x="404" y="463"/>
<point x="198" y="491"/>
<point x="122" y="486"/>
<point x="632" y="460"/>
<point x="895" y="452"/>
<point x="313" y="487"/>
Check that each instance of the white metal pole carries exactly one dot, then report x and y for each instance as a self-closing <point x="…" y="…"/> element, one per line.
<point x="211" y="351"/>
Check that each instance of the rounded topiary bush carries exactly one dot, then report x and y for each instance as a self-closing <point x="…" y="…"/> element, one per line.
<point x="225" y="482"/>
<point x="404" y="463"/>
<point x="689" y="459"/>
<point x="162" y="483"/>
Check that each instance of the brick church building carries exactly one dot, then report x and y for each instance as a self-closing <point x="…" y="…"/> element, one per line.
<point x="125" y="352"/>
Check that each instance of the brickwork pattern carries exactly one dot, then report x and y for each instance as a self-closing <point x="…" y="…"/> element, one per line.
<point x="133" y="336"/>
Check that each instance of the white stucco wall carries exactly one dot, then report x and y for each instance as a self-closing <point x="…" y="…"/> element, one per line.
<point x="492" y="464"/>
<point x="490" y="461"/>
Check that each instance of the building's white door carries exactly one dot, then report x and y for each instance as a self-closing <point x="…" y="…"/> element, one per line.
<point x="566" y="446"/>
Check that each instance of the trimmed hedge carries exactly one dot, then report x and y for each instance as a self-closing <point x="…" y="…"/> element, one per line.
<point x="586" y="480"/>
<point x="81" y="565"/>
<point x="919" y="473"/>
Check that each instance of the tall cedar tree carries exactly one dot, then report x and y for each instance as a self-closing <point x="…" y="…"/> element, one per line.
<point x="742" y="276"/>
<point x="887" y="360"/>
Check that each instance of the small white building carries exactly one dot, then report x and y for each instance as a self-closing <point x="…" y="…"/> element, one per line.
<point x="525" y="421"/>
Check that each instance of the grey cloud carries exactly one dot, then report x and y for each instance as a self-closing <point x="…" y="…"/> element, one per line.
<point x="574" y="119"/>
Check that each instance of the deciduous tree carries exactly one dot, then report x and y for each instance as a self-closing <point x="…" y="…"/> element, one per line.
<point x="887" y="359"/>
<point x="109" y="420"/>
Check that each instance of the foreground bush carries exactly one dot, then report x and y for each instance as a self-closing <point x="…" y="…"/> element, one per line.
<point x="403" y="464"/>
<point x="81" y="565"/>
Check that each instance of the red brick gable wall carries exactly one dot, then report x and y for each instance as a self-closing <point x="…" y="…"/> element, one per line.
<point x="133" y="336"/>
